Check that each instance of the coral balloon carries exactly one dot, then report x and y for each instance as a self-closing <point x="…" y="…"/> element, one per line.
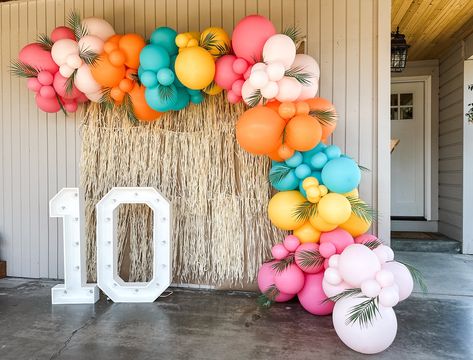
<point x="62" y="32"/>
<point x="195" y="67"/>
<point x="334" y="208"/>
<point x="105" y="73"/>
<point x="281" y="209"/>
<point x="312" y="296"/>
<point x="60" y="85"/>
<point x="259" y="130"/>
<point x="224" y="74"/>
<point x="131" y="45"/>
<point x="49" y="105"/>
<point x="140" y="106"/>
<point x="35" y="56"/>
<point x="303" y="132"/>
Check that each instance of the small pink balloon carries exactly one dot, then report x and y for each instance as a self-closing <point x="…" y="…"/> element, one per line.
<point x="224" y="74"/>
<point x="389" y="296"/>
<point x="291" y="243"/>
<point x="233" y="98"/>
<point x="308" y="250"/>
<point x="237" y="86"/>
<point x="62" y="32"/>
<point x="47" y="91"/>
<point x="279" y="251"/>
<point x="290" y="280"/>
<point x="258" y="79"/>
<point x="385" y="278"/>
<point x="289" y="89"/>
<point x="95" y="96"/>
<point x="402" y="278"/>
<point x="275" y="71"/>
<point x="309" y="65"/>
<point x="60" y="87"/>
<point x="45" y="77"/>
<point x="327" y="249"/>
<point x="266" y="279"/>
<point x="49" y="105"/>
<point x="357" y="263"/>
<point x="312" y="296"/>
<point x="34" y="55"/>
<point x="65" y="70"/>
<point x="71" y="107"/>
<point x="33" y="84"/>
<point x="362" y="239"/>
<point x="370" y="288"/>
<point x="338" y="237"/>
<point x="240" y="66"/>
<point x="74" y="61"/>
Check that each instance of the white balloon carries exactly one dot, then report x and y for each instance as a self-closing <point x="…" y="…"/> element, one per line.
<point x="275" y="71"/>
<point x="385" y="278"/>
<point x="73" y="61"/>
<point x="279" y="48"/>
<point x="389" y="253"/>
<point x="85" y="82"/>
<point x="65" y="70"/>
<point x="98" y="27"/>
<point x="371" y="339"/>
<point x="258" y="66"/>
<point x="247" y="90"/>
<point x="332" y="276"/>
<point x="332" y="290"/>
<point x="308" y="64"/>
<point x="402" y="278"/>
<point x="289" y="89"/>
<point x="358" y="263"/>
<point x="389" y="296"/>
<point x="61" y="49"/>
<point x="333" y="260"/>
<point x="91" y="43"/>
<point x="370" y="288"/>
<point x="270" y="91"/>
<point x="258" y="79"/>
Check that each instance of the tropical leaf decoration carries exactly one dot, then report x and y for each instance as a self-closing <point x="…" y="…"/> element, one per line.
<point x="106" y="102"/>
<point x="298" y="73"/>
<point x="129" y="110"/>
<point x="326" y="117"/>
<point x="88" y="56"/>
<point x="45" y="42"/>
<point x="211" y="42"/>
<point x="310" y="258"/>
<point x="266" y="299"/>
<point x="20" y="69"/>
<point x="278" y="174"/>
<point x="344" y="294"/>
<point x="135" y="78"/>
<point x="75" y="23"/>
<point x="293" y="32"/>
<point x="362" y="168"/>
<point x="70" y="82"/>
<point x="373" y="244"/>
<point x="165" y="92"/>
<point x="305" y="211"/>
<point x="364" y="313"/>
<point x="254" y="99"/>
<point x="60" y="104"/>
<point x="362" y="209"/>
<point x="417" y="276"/>
<point x="283" y="264"/>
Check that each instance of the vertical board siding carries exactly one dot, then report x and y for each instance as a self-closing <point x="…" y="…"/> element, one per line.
<point x="451" y="142"/>
<point x="40" y="152"/>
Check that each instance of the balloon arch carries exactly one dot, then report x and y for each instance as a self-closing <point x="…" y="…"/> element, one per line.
<point x="329" y="261"/>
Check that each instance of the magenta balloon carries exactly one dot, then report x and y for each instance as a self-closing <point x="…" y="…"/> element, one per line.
<point x="60" y="87"/>
<point x="34" y="55"/>
<point x="224" y="74"/>
<point x="299" y="257"/>
<point x="312" y="296"/>
<point x="249" y="36"/>
<point x="49" y="105"/>
<point x="338" y="237"/>
<point x="290" y="280"/>
<point x="266" y="279"/>
<point x="62" y="32"/>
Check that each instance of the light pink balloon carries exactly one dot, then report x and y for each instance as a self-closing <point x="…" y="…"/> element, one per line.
<point x="275" y="71"/>
<point x="60" y="87"/>
<point x="62" y="49"/>
<point x="279" y="251"/>
<point x="247" y="90"/>
<point x="357" y="263"/>
<point x="62" y="32"/>
<point x="47" y="91"/>
<point x="74" y="61"/>
<point x="308" y="65"/>
<point x="49" y="105"/>
<point x="371" y="339"/>
<point x="65" y="70"/>
<point x="270" y="91"/>
<point x="291" y="242"/>
<point x="34" y="55"/>
<point x="312" y="296"/>
<point x="233" y="98"/>
<point x="389" y="296"/>
<point x="289" y="89"/>
<point x="91" y="43"/>
<point x="33" y="84"/>
<point x="299" y="255"/>
<point x="332" y="290"/>
<point x="338" y="237"/>
<point x="224" y="74"/>
<point x="98" y="27"/>
<point x="290" y="280"/>
<point x="402" y="278"/>
<point x="250" y="35"/>
<point x="95" y="97"/>
<point x="258" y="79"/>
<point x="266" y="279"/>
<point x="85" y="81"/>
<point x="279" y="48"/>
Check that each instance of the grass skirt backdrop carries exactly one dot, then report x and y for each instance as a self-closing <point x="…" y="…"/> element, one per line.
<point x="219" y="192"/>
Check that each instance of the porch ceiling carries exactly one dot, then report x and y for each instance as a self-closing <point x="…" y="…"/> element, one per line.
<point x="431" y="26"/>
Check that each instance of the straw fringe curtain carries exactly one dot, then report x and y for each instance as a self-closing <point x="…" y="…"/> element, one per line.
<point x="219" y="193"/>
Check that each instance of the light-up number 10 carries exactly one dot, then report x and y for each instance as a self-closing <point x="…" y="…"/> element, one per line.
<point x="67" y="204"/>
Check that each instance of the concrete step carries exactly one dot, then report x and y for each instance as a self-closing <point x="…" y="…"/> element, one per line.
<point x="424" y="242"/>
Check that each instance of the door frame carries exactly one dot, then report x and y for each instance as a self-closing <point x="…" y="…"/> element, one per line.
<point x="467" y="230"/>
<point x="430" y="160"/>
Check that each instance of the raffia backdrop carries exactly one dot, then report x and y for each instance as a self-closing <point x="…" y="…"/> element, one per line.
<point x="219" y="193"/>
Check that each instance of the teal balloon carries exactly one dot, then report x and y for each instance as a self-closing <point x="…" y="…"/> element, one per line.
<point x="197" y="98"/>
<point x="307" y="155"/>
<point x="318" y="161"/>
<point x="302" y="171"/>
<point x="289" y="182"/>
<point x="165" y="37"/>
<point x="148" y="79"/>
<point x="154" y="57"/>
<point x="295" y="160"/>
<point x="341" y="175"/>
<point x="160" y="99"/>
<point x="182" y="99"/>
<point x="165" y="76"/>
<point x="315" y="174"/>
<point x="193" y="92"/>
<point x="140" y="71"/>
<point x="333" y="152"/>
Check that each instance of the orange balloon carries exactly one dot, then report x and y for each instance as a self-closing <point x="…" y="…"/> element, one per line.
<point x="275" y="156"/>
<point x="321" y="104"/>
<point x="273" y="104"/>
<point x="105" y="73"/>
<point x="259" y="130"/>
<point x="126" y="85"/>
<point x="302" y="108"/>
<point x="131" y="45"/>
<point x="303" y="132"/>
<point x="140" y="106"/>
<point x="285" y="152"/>
<point x="117" y="95"/>
<point x="287" y="110"/>
<point x="117" y="57"/>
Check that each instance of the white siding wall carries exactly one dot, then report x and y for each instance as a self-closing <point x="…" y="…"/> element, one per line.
<point x="451" y="142"/>
<point x="39" y="153"/>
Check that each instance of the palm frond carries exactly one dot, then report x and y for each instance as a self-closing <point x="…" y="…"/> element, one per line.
<point x="70" y="82"/>
<point x="326" y="117"/>
<point x="293" y="32"/>
<point x="362" y="209"/>
<point x="254" y="99"/>
<point x="305" y="211"/>
<point x="129" y="110"/>
<point x="75" y="23"/>
<point x="135" y="78"/>
<point x="344" y="294"/>
<point x="210" y="42"/>
<point x="20" y="69"/>
<point x="45" y="42"/>
<point x="266" y="299"/>
<point x="310" y="258"/>
<point x="373" y="244"/>
<point x="299" y="74"/>
<point x="364" y="313"/>
<point x="60" y="104"/>
<point x="362" y="168"/>
<point x="278" y="173"/>
<point x="417" y="276"/>
<point x="165" y="92"/>
<point x="283" y="264"/>
<point x="106" y="102"/>
<point x="209" y="86"/>
<point x="88" y="56"/>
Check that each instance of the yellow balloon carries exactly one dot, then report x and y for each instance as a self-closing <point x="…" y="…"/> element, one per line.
<point x="355" y="225"/>
<point x="354" y="193"/>
<point x="307" y="233"/>
<point x="216" y="41"/>
<point x="195" y="67"/>
<point x="334" y="208"/>
<point x="281" y="209"/>
<point x="320" y="224"/>
<point x="213" y="90"/>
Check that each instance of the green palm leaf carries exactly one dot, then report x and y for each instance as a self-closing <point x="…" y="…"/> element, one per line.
<point x="129" y="110"/>
<point x="70" y="82"/>
<point x="305" y="211"/>
<point x="60" y="104"/>
<point x="362" y="168"/>
<point x="88" y="56"/>
<point x="362" y="209"/>
<point x="20" y="69"/>
<point x="326" y="117"/>
<point x="106" y="102"/>
<point x="75" y="23"/>
<point x="310" y="258"/>
<point x="210" y="42"/>
<point x="278" y="173"/>
<point x="373" y="244"/>
<point x="364" y="313"/>
<point x="300" y="75"/>
<point x="344" y="294"/>
<point x="293" y="32"/>
<point x="45" y="42"/>
<point x="267" y="298"/>
<point x="254" y="99"/>
<point x="283" y="264"/>
<point x="417" y="276"/>
<point x="165" y="92"/>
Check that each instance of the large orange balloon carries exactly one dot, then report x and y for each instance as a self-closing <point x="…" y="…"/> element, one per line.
<point x="140" y="106"/>
<point x="322" y="104"/>
<point x="259" y="130"/>
<point x="131" y="45"/>
<point x="303" y="133"/>
<point x="105" y="73"/>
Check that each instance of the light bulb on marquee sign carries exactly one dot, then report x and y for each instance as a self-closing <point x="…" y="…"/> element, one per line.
<point x="67" y="204"/>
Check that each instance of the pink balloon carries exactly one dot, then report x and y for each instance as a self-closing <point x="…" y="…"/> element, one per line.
<point x="33" y="84"/>
<point x="60" y="87"/>
<point x="232" y="97"/>
<point x="290" y="280"/>
<point x="308" y="64"/>
<point x="45" y="78"/>
<point x="327" y="249"/>
<point x="49" y="105"/>
<point x="289" y="89"/>
<point x="308" y="249"/>
<point x="34" y="55"/>
<point x="338" y="237"/>
<point x="62" y="32"/>
<point x="279" y="251"/>
<point x="250" y="35"/>
<point x="312" y="296"/>
<point x="402" y="278"/>
<point x="71" y="107"/>
<point x="358" y="263"/>
<point x="362" y="239"/>
<point x="47" y="91"/>
<point x="84" y="80"/>
<point x="266" y="279"/>
<point x="240" y="66"/>
<point x="247" y="73"/>
<point x="82" y="98"/>
<point x="91" y="43"/>
<point x="279" y="48"/>
<point x="62" y="49"/>
<point x="224" y="74"/>
<point x="291" y="242"/>
<point x="237" y="86"/>
<point x="98" y="27"/>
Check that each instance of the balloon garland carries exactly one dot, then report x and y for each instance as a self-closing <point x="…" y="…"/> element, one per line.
<point x="329" y="261"/>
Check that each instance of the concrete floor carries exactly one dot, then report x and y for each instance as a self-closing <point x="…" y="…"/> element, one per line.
<point x="228" y="325"/>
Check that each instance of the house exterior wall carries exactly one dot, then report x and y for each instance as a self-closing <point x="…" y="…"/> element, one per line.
<point x="39" y="153"/>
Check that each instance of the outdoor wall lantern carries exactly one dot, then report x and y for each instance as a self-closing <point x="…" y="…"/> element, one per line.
<point x="398" y="51"/>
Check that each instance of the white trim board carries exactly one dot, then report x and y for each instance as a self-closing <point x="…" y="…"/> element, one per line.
<point x="406" y="225"/>
<point x="467" y="161"/>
